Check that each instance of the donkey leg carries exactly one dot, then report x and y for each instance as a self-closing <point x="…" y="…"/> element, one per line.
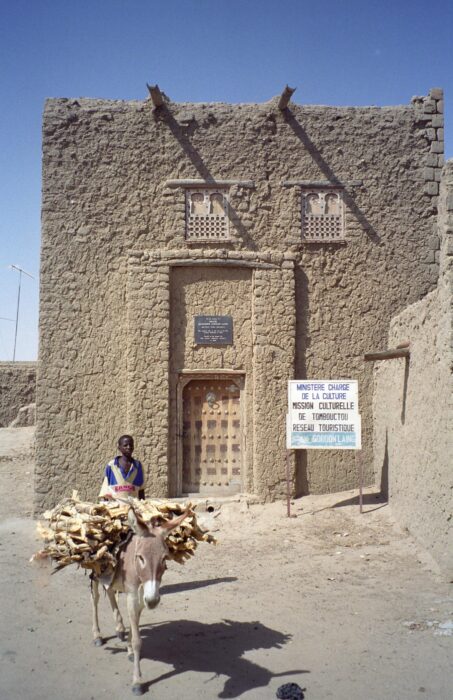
<point x="130" y="651"/>
<point x="134" y="608"/>
<point x="119" y="625"/>
<point x="97" y="639"/>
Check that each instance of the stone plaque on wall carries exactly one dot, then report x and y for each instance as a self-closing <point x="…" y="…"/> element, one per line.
<point x="213" y="330"/>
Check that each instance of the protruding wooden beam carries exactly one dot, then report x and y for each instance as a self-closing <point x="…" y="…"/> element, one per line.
<point x="285" y="97"/>
<point x="401" y="351"/>
<point x="156" y="96"/>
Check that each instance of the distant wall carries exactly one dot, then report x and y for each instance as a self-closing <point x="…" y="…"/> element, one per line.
<point x="17" y="389"/>
<point x="413" y="401"/>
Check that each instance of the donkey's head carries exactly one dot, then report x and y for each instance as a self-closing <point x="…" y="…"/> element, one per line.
<point x="150" y="552"/>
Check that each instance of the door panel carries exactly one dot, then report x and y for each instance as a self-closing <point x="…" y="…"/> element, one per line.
<point x="212" y="437"/>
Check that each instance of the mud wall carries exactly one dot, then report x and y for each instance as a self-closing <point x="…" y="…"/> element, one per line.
<point x="413" y="407"/>
<point x="17" y="389"/>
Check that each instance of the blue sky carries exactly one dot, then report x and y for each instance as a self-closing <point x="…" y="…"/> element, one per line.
<point x="336" y="52"/>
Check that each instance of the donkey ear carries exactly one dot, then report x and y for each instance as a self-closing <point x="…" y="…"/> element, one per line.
<point x="168" y="525"/>
<point x="135" y="524"/>
<point x="156" y="521"/>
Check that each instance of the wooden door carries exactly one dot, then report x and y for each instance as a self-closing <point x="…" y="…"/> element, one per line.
<point x="212" y="438"/>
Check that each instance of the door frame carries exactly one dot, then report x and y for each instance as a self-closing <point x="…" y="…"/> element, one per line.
<point x="184" y="377"/>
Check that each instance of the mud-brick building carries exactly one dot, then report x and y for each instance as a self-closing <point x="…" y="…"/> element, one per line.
<point x="197" y="256"/>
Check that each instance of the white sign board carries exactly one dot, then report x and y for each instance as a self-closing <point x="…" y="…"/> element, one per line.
<point x="323" y="414"/>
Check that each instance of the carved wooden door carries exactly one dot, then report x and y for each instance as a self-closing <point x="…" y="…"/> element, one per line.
<point x="212" y="458"/>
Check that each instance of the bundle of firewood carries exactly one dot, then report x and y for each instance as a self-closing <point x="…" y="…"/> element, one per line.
<point x="91" y="534"/>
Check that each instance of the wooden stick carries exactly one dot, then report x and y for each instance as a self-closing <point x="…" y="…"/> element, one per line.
<point x="359" y="462"/>
<point x="288" y="487"/>
<point x="156" y="95"/>
<point x="387" y="354"/>
<point x="285" y="97"/>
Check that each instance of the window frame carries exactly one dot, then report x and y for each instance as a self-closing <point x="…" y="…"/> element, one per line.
<point x="207" y="220"/>
<point x="326" y="222"/>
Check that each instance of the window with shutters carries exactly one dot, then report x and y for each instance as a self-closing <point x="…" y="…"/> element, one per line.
<point x="322" y="215"/>
<point x="206" y="214"/>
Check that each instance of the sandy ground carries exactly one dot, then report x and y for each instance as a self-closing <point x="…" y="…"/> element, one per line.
<point x="345" y="605"/>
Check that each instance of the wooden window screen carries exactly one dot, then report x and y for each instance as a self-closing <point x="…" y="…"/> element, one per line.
<point x="322" y="215"/>
<point x="206" y="214"/>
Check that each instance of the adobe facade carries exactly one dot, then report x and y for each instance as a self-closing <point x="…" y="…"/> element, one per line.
<point x="307" y="228"/>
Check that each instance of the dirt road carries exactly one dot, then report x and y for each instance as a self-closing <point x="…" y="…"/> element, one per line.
<point x="345" y="605"/>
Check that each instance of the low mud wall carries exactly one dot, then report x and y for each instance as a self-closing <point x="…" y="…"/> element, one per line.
<point x="17" y="389"/>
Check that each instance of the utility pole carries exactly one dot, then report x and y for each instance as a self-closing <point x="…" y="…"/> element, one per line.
<point x="21" y="272"/>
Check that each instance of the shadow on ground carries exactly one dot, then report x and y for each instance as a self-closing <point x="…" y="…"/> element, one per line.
<point x="216" y="648"/>
<point x="192" y="585"/>
<point x="376" y="499"/>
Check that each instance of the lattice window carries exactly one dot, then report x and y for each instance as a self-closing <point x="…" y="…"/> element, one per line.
<point x="206" y="214"/>
<point x="322" y="215"/>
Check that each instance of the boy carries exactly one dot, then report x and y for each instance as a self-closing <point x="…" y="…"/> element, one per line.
<point x="123" y="474"/>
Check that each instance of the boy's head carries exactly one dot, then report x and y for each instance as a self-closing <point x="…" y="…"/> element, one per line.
<point x="126" y="445"/>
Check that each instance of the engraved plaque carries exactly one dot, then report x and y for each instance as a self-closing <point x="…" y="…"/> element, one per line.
<point x="213" y="330"/>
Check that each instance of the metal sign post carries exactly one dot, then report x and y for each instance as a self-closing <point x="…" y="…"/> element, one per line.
<point x="20" y="271"/>
<point x="359" y="462"/>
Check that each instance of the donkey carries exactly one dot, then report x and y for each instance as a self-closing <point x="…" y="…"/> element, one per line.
<point x="141" y="564"/>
